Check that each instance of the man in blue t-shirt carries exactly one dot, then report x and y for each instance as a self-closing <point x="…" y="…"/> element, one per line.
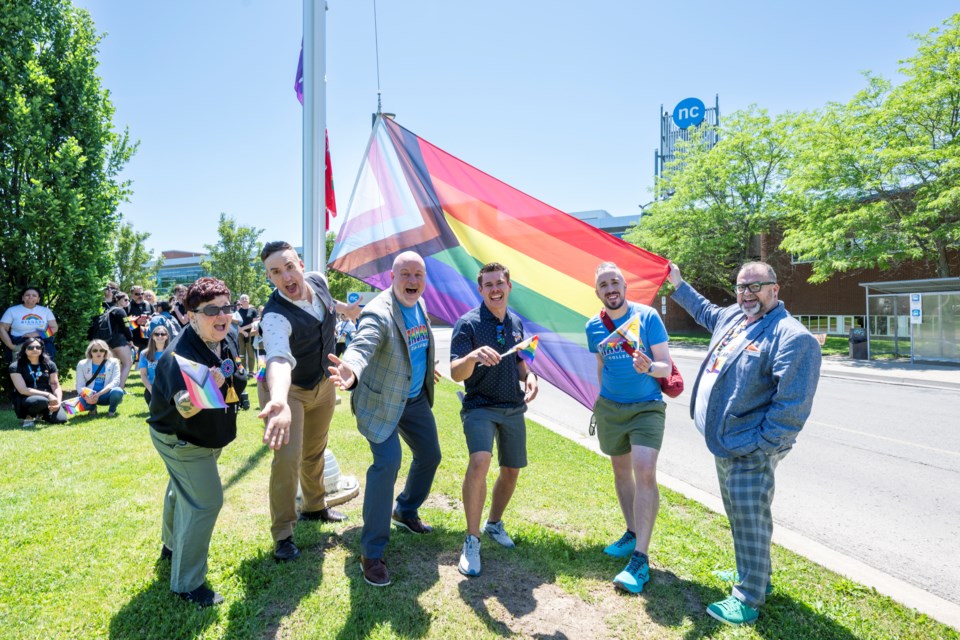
<point x="631" y="346"/>
<point x="389" y="366"/>
<point x="493" y="406"/>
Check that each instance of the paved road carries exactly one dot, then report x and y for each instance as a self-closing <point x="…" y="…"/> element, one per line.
<point x="875" y="474"/>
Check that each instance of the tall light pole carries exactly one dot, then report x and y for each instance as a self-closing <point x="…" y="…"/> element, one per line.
<point x="314" y="126"/>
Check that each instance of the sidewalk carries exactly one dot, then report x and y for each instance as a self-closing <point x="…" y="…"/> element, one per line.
<point x="883" y="371"/>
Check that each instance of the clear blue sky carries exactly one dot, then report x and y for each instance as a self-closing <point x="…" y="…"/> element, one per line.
<point x="559" y="99"/>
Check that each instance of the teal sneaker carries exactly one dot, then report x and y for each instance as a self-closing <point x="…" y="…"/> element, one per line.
<point x="731" y="575"/>
<point x="623" y="547"/>
<point x="635" y="575"/>
<point x="733" y="612"/>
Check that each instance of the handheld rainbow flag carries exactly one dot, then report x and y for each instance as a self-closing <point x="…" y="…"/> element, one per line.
<point x="134" y="325"/>
<point x="203" y="390"/>
<point x="79" y="404"/>
<point x="410" y="195"/>
<point x="627" y="334"/>
<point x="47" y="332"/>
<point x="261" y="369"/>
<point x="526" y="349"/>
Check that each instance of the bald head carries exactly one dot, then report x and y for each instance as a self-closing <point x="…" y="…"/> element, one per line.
<point x="409" y="276"/>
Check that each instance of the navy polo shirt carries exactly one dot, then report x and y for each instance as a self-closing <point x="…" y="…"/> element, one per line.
<point x="497" y="386"/>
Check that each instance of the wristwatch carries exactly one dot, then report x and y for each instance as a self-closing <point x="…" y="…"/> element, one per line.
<point x="650" y="370"/>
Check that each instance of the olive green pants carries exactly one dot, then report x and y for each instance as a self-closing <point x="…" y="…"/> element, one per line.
<point x="191" y="505"/>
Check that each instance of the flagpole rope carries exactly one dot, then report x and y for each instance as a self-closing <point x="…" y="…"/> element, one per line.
<point x="376" y="44"/>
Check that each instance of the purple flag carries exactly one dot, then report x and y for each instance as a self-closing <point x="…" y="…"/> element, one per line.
<point x="298" y="83"/>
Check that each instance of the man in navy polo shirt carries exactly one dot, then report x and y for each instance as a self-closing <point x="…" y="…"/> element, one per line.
<point x="493" y="406"/>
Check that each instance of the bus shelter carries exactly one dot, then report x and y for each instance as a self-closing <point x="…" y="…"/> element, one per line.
<point x="915" y="319"/>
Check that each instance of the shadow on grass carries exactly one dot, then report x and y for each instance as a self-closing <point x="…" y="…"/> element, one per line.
<point x="248" y="465"/>
<point x="781" y="618"/>
<point x="155" y="612"/>
<point x="413" y="562"/>
<point x="272" y="590"/>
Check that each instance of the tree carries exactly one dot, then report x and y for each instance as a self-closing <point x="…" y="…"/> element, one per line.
<point x="235" y="260"/>
<point x="341" y="284"/>
<point x="722" y="198"/>
<point x="131" y="258"/>
<point x="876" y="181"/>
<point x="59" y="164"/>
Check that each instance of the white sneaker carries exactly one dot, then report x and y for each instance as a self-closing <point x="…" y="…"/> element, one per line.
<point x="28" y="423"/>
<point x="496" y="531"/>
<point x="470" y="556"/>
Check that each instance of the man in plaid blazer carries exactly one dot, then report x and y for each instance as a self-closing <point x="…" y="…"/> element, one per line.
<point x="752" y="396"/>
<point x="389" y="366"/>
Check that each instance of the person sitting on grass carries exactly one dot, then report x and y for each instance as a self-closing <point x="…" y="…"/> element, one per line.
<point x="37" y="392"/>
<point x="159" y="340"/>
<point x="100" y="374"/>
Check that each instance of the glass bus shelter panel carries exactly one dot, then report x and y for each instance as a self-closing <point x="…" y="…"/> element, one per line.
<point x="938" y="337"/>
<point x="889" y="326"/>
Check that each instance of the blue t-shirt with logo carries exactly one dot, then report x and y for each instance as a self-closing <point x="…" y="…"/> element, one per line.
<point x="620" y="382"/>
<point x="418" y="340"/>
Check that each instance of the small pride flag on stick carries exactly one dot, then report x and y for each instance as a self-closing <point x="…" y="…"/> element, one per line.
<point x="79" y="404"/>
<point x="628" y="334"/>
<point x="261" y="369"/>
<point x="203" y="390"/>
<point x="526" y="349"/>
<point x="47" y="333"/>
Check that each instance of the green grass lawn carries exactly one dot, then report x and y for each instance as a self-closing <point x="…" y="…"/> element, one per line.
<point x="80" y="537"/>
<point x="834" y="345"/>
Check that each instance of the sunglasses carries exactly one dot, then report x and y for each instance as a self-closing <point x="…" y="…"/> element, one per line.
<point x="213" y="310"/>
<point x="160" y="334"/>
<point x="98" y="350"/>
<point x="34" y="347"/>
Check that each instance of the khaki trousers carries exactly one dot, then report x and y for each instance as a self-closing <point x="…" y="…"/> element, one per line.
<point x="301" y="459"/>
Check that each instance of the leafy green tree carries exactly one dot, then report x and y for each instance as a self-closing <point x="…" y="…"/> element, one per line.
<point x="60" y="161"/>
<point x="131" y="257"/>
<point x="340" y="283"/>
<point x="876" y="181"/>
<point x="722" y="198"/>
<point x="235" y="260"/>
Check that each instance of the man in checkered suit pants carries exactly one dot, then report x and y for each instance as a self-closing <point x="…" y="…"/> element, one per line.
<point x="752" y="396"/>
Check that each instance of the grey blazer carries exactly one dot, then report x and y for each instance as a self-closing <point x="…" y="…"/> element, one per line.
<point x="380" y="359"/>
<point x="760" y="400"/>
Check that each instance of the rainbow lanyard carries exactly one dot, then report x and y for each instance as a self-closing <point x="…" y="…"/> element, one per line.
<point x="722" y="351"/>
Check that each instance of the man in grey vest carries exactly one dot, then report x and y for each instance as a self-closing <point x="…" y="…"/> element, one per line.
<point x="297" y="396"/>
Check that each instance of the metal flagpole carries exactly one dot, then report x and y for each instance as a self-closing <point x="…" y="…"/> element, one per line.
<point x="314" y="125"/>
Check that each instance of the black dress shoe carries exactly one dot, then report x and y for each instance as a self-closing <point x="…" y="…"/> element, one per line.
<point x="323" y="515"/>
<point x="203" y="596"/>
<point x="166" y="553"/>
<point x="285" y="550"/>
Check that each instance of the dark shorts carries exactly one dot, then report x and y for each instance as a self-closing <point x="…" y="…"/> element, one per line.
<point x="621" y="425"/>
<point x="483" y="425"/>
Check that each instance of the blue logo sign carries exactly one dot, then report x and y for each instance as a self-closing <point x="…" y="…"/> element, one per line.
<point x="915" y="313"/>
<point x="352" y="297"/>
<point x="689" y="112"/>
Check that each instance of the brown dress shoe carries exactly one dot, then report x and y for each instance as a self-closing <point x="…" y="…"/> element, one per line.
<point x="413" y="525"/>
<point x="375" y="572"/>
<point x="323" y="515"/>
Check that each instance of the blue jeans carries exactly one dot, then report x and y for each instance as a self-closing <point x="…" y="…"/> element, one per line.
<point x="418" y="429"/>
<point x="113" y="398"/>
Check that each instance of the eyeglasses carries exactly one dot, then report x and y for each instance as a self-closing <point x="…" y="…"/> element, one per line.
<point x="34" y="347"/>
<point x="753" y="287"/>
<point x="160" y="334"/>
<point x="213" y="310"/>
<point x="501" y="340"/>
<point x="98" y="350"/>
<point x="137" y="294"/>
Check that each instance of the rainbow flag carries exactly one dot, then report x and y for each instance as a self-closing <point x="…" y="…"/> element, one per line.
<point x="47" y="332"/>
<point x="79" y="404"/>
<point x="134" y="326"/>
<point x="627" y="334"/>
<point x="411" y="195"/>
<point x="203" y="390"/>
<point x="526" y="349"/>
<point x="261" y="369"/>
